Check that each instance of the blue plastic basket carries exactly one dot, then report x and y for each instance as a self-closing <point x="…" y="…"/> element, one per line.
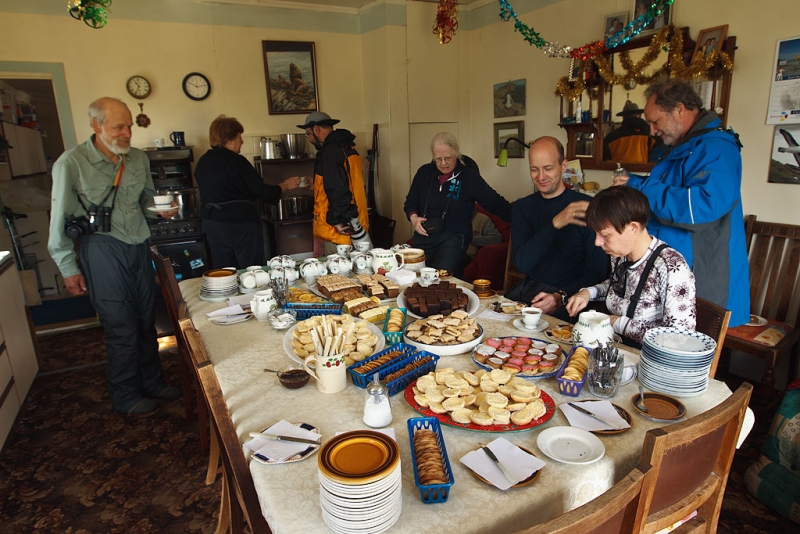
<point x="434" y="492"/>
<point x="361" y="380"/>
<point x="401" y="383"/>
<point x="394" y="337"/>
<point x="309" y="309"/>
<point x="567" y="387"/>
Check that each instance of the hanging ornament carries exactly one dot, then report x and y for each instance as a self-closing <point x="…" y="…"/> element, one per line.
<point x="142" y="120"/>
<point x="446" y="23"/>
<point x="92" y="12"/>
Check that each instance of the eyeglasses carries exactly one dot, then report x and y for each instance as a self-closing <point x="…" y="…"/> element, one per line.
<point x="444" y="161"/>
<point x="619" y="278"/>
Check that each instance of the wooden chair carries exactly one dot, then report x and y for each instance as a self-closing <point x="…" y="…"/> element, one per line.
<point x="691" y="462"/>
<point x="774" y="252"/>
<point x="239" y="502"/>
<point x="712" y="320"/>
<point x="513" y="274"/>
<point x="620" y="510"/>
<point x="176" y="308"/>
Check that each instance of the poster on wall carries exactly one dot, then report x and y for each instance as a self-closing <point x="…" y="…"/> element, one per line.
<point x="509" y="99"/>
<point x="785" y="165"/>
<point x="784" y="96"/>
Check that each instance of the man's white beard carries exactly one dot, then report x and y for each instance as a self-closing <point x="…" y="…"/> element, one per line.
<point x="114" y="147"/>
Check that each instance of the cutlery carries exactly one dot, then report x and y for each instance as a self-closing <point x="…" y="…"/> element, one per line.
<point x="640" y="403"/>
<point x="587" y="412"/>
<point x="268" y="371"/>
<point x="283" y="438"/>
<point x="491" y="455"/>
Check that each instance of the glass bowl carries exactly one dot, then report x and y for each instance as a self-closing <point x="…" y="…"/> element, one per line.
<point x="282" y="319"/>
<point x="293" y="376"/>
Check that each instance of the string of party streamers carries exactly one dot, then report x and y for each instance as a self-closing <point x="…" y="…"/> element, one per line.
<point x="589" y="50"/>
<point x="92" y="12"/>
<point x="446" y="23"/>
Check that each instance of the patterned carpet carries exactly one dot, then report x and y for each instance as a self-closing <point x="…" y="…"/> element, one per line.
<point x="70" y="465"/>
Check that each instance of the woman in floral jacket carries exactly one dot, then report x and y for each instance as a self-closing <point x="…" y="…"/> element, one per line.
<point x="651" y="284"/>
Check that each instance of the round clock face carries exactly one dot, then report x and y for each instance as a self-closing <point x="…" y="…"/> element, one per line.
<point x="138" y="87"/>
<point x="196" y="86"/>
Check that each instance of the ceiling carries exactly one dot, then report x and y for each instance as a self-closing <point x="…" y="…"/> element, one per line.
<point x="349" y="5"/>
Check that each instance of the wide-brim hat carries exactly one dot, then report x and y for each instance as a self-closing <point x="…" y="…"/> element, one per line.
<point x="318" y="118"/>
<point x="630" y="109"/>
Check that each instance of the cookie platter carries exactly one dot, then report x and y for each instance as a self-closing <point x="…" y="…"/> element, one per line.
<point x="530" y="358"/>
<point x="454" y="334"/>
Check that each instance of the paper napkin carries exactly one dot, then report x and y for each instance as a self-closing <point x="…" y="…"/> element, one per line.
<point x="281" y="450"/>
<point x="602" y="409"/>
<point x="494" y="316"/>
<point x="242" y="300"/>
<point x="517" y="462"/>
<point x="230" y="310"/>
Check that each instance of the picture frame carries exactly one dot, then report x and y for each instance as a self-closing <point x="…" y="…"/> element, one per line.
<point x="506" y="130"/>
<point x="784" y="165"/>
<point x="640" y="7"/>
<point x="614" y="23"/>
<point x="710" y="40"/>
<point x="290" y="69"/>
<point x="784" y="93"/>
<point x="509" y="99"/>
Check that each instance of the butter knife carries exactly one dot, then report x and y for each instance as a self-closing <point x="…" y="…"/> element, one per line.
<point x="283" y="438"/>
<point x="491" y="455"/>
<point x="590" y="414"/>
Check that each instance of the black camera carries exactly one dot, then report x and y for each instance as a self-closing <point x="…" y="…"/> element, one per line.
<point x="99" y="220"/>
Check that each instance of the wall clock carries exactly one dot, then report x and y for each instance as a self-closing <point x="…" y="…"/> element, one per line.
<point x="138" y="87"/>
<point x="196" y="86"/>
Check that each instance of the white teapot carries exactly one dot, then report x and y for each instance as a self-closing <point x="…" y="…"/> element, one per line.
<point x="593" y="329"/>
<point x="339" y="264"/>
<point x="262" y="303"/>
<point x="385" y="261"/>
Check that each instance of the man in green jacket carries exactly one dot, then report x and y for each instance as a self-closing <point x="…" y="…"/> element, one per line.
<point x="101" y="190"/>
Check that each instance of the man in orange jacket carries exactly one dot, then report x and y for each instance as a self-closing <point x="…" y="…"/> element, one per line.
<point x="340" y="202"/>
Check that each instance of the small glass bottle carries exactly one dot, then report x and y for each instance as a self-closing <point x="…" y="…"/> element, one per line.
<point x="579" y="110"/>
<point x="377" y="410"/>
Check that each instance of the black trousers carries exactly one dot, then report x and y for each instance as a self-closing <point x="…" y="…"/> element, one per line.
<point x="237" y="245"/>
<point x="444" y="250"/>
<point x="121" y="283"/>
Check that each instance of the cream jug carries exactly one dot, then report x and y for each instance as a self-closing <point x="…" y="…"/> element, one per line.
<point x="330" y="372"/>
<point x="263" y="302"/>
<point x="385" y="261"/>
<point x="593" y="328"/>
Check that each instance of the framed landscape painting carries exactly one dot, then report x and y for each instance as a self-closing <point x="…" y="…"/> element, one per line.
<point x="291" y="72"/>
<point x="506" y="130"/>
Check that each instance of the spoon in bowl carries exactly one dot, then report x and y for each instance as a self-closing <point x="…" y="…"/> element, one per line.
<point x="640" y="402"/>
<point x="270" y="371"/>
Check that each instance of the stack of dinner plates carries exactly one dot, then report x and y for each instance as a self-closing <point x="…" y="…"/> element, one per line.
<point x="219" y="284"/>
<point x="360" y="482"/>
<point x="676" y="361"/>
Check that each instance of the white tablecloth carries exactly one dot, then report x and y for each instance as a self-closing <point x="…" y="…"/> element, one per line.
<point x="289" y="493"/>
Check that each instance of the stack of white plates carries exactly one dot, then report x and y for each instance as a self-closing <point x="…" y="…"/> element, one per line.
<point x="676" y="361"/>
<point x="360" y="484"/>
<point x="219" y="284"/>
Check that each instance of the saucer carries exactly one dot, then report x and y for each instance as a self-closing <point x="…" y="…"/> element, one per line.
<point x="538" y="328"/>
<point x="489" y="294"/>
<point x="162" y="209"/>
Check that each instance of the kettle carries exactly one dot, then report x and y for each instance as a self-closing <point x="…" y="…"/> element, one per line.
<point x="270" y="149"/>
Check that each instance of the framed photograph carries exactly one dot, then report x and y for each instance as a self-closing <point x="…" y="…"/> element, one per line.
<point x="710" y="40"/>
<point x="506" y="130"/>
<point x="615" y="23"/>
<point x="640" y="7"/>
<point x="784" y="168"/>
<point x="509" y="99"/>
<point x="291" y="72"/>
<point x="784" y="94"/>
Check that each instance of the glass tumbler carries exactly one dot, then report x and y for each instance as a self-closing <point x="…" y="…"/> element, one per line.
<point x="605" y="377"/>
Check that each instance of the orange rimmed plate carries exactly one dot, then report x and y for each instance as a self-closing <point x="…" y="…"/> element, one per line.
<point x="660" y="406"/>
<point x="358" y="457"/>
<point x="218" y="273"/>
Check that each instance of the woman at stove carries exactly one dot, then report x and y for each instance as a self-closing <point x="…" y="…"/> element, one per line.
<point x="229" y="187"/>
<point x="651" y="284"/>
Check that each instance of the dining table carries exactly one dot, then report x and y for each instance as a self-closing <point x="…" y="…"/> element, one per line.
<point x="289" y="493"/>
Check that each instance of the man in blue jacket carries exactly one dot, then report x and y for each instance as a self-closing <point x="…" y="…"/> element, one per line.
<point x="695" y="194"/>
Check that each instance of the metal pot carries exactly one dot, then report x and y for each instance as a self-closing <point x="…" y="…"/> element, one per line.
<point x="293" y="207"/>
<point x="270" y="149"/>
<point x="294" y="144"/>
<point x="188" y="205"/>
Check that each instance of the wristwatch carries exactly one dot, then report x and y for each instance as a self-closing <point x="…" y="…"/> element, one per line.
<point x="564" y="296"/>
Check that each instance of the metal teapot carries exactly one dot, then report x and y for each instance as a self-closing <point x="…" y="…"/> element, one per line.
<point x="270" y="149"/>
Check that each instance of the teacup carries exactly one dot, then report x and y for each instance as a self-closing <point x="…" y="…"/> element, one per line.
<point x="330" y="372"/>
<point x="262" y="277"/>
<point x="531" y="316"/>
<point x="254" y="268"/>
<point x="428" y="275"/>
<point x="362" y="246"/>
<point x="248" y="280"/>
<point x="162" y="201"/>
<point x="343" y="250"/>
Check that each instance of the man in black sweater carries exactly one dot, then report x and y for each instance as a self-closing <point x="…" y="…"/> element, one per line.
<point x="549" y="239"/>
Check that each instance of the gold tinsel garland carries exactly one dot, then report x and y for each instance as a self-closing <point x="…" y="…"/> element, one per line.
<point x="674" y="65"/>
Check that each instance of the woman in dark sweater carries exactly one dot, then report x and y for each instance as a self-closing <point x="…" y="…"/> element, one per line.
<point x="441" y="201"/>
<point x="229" y="187"/>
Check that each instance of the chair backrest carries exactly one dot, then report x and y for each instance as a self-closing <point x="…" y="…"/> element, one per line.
<point x="244" y="500"/>
<point x="176" y="306"/>
<point x="691" y="461"/>
<point x="712" y="320"/>
<point x="774" y="255"/>
<point x="513" y="274"/>
<point x="620" y="510"/>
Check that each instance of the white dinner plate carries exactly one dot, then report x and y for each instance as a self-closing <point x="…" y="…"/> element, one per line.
<point x="472" y="306"/>
<point x="287" y="341"/>
<point x="541" y="325"/>
<point x="570" y="445"/>
<point x="756" y="320"/>
<point x="446" y="350"/>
